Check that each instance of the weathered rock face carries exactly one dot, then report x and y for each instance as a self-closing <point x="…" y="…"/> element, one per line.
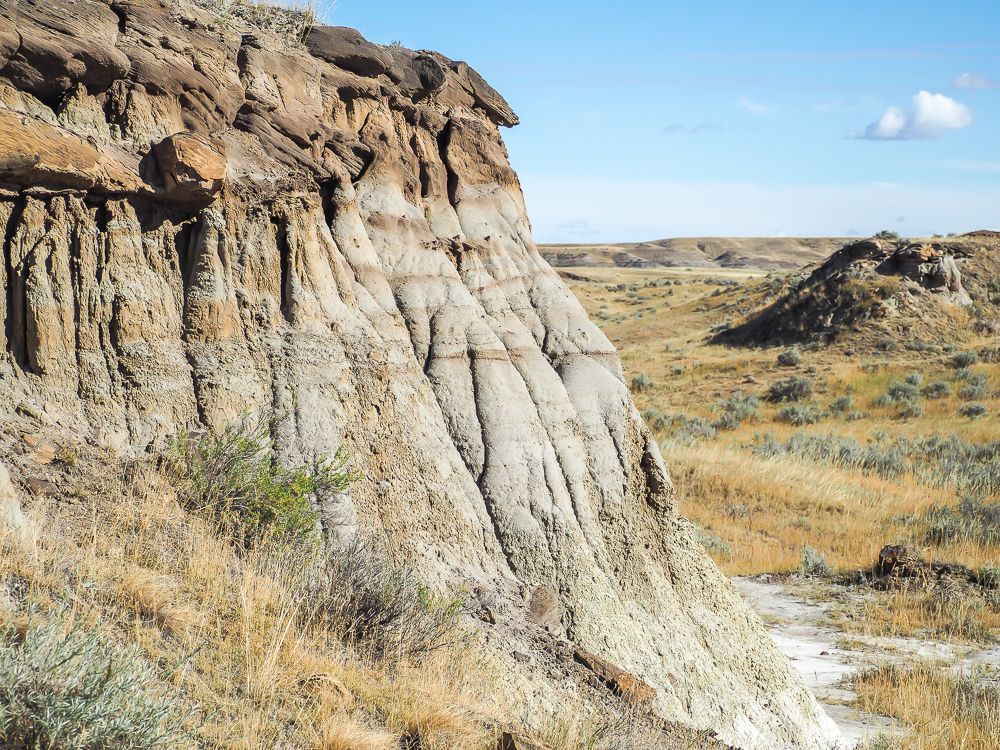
<point x="199" y="219"/>
<point x="878" y="288"/>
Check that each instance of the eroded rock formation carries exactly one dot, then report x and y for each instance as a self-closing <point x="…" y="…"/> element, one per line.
<point x="200" y="219"/>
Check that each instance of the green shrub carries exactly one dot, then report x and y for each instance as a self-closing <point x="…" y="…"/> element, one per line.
<point x="375" y="604"/>
<point x="902" y="390"/>
<point x="735" y="410"/>
<point x="712" y="543"/>
<point x="841" y="405"/>
<point x="684" y="429"/>
<point x="814" y="564"/>
<point x="75" y="691"/>
<point x="989" y="577"/>
<point x="641" y="382"/>
<point x="232" y="477"/>
<point x="789" y="358"/>
<point x="972" y="519"/>
<point x="974" y="388"/>
<point x="950" y="461"/>
<point x="887" y="234"/>
<point x="972" y="411"/>
<point x="791" y="389"/>
<point x="909" y="410"/>
<point x="964" y="359"/>
<point x="937" y="389"/>
<point x="914" y="378"/>
<point x="799" y="415"/>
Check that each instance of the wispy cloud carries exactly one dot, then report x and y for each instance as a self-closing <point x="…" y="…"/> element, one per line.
<point x="930" y="116"/>
<point x="578" y="228"/>
<point x="754" y="107"/>
<point x="975" y="81"/>
<point x="677" y="128"/>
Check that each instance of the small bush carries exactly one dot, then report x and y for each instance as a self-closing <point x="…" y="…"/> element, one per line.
<point x="690" y="429"/>
<point x="641" y="382"/>
<point x="910" y="410"/>
<point x="232" y="477"/>
<point x="964" y="359"/>
<point x="974" y="388"/>
<point x="789" y="358"/>
<point x="736" y="410"/>
<point x="841" y="405"/>
<point x="790" y="389"/>
<point x="989" y="577"/>
<point x="712" y="543"/>
<point x="799" y="415"/>
<point x="972" y="411"/>
<point x="75" y="691"/>
<point x="887" y="344"/>
<point x="814" y="564"/>
<point x="902" y="390"/>
<point x="377" y="605"/>
<point x="972" y="519"/>
<point x="937" y="389"/>
<point x="914" y="378"/>
<point x="887" y="234"/>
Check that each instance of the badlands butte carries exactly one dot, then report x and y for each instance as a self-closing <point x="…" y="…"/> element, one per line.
<point x="206" y="217"/>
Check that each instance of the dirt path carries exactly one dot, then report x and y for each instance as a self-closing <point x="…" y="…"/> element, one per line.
<point x="800" y="628"/>
<point x="797" y="627"/>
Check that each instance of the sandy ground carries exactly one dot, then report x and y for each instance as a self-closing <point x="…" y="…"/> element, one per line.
<point x="800" y="629"/>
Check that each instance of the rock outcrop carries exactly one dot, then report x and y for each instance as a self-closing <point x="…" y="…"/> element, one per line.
<point x="877" y="288"/>
<point x="199" y="219"/>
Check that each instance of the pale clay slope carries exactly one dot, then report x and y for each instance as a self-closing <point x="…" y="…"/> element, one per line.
<point x="366" y="275"/>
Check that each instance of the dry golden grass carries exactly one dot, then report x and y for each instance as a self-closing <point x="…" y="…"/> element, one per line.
<point x="228" y="629"/>
<point x="226" y="626"/>
<point x="757" y="513"/>
<point x="947" y="615"/>
<point x="945" y="713"/>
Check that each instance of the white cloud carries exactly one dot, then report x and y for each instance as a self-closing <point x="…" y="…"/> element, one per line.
<point x="754" y="107"/>
<point x="976" y="81"/>
<point x="930" y="116"/>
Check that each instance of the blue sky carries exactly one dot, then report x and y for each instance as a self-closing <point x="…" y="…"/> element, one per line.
<point x="642" y="120"/>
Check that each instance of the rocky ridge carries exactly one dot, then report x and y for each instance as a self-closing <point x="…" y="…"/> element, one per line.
<point x="926" y="290"/>
<point x="200" y="219"/>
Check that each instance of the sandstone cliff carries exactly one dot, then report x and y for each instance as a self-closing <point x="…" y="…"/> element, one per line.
<point x="199" y="218"/>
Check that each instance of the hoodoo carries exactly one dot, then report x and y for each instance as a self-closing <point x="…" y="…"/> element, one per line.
<point x="200" y="218"/>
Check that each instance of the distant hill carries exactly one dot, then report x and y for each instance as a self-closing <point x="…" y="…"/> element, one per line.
<point x="768" y="253"/>
<point x="884" y="292"/>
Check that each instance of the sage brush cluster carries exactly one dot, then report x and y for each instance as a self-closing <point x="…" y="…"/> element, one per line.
<point x="75" y="691"/>
<point x="355" y="590"/>
<point x="232" y="477"/>
<point x="950" y="461"/>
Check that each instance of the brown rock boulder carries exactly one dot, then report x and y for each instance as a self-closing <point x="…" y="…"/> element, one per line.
<point x="37" y="154"/>
<point x="509" y="741"/>
<point x="346" y="48"/>
<point x="544" y="608"/>
<point x="57" y="50"/>
<point x="899" y="560"/>
<point x="625" y="685"/>
<point x="193" y="168"/>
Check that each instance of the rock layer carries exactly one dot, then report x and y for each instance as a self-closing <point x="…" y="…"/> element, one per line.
<point x="201" y="219"/>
